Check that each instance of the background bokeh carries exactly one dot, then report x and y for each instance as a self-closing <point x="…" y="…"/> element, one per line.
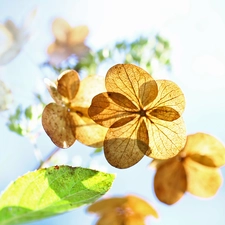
<point x="196" y="32"/>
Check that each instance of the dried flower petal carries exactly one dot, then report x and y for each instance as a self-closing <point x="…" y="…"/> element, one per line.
<point x="198" y="162"/>
<point x="205" y="149"/>
<point x="203" y="181"/>
<point x="68" y="41"/>
<point x="68" y="120"/>
<point x="59" y="125"/>
<point x="170" y="182"/>
<point x="68" y="84"/>
<point x="129" y="210"/>
<point x="60" y="29"/>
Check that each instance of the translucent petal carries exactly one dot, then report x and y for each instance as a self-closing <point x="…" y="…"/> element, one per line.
<point x="121" y="146"/>
<point x="60" y="29"/>
<point x="88" y="132"/>
<point x="140" y="206"/>
<point x="68" y="84"/>
<point x="205" y="149"/>
<point x="80" y="50"/>
<point x="165" y="113"/>
<point x="169" y="95"/>
<point x="106" y="205"/>
<point x="156" y="163"/>
<point x="58" y="125"/>
<point x="166" y="139"/>
<point x="58" y="53"/>
<point x="77" y="35"/>
<point x="203" y="181"/>
<point x="10" y="25"/>
<point x="132" y="82"/>
<point x="106" y="112"/>
<point x="52" y="89"/>
<point x="89" y="87"/>
<point x="170" y="182"/>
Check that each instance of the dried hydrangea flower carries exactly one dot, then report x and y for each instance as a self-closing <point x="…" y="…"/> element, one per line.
<point x="195" y="169"/>
<point x="67" y="120"/>
<point x="68" y="40"/>
<point x="143" y="116"/>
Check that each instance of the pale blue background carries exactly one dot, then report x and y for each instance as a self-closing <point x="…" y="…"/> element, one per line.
<point x="196" y="31"/>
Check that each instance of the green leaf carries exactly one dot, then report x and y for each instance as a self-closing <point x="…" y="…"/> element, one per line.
<point x="50" y="191"/>
<point x="29" y="112"/>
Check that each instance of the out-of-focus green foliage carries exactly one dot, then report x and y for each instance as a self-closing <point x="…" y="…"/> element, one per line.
<point x="143" y="51"/>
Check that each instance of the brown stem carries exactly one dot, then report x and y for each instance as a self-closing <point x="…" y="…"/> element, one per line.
<point x="48" y="158"/>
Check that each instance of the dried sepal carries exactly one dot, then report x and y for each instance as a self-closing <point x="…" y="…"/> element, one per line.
<point x="170" y="182"/>
<point x="140" y="206"/>
<point x="52" y="89"/>
<point x="169" y="138"/>
<point x="205" y="149"/>
<point x="87" y="131"/>
<point x="129" y="210"/>
<point x="68" y="40"/>
<point x="60" y="29"/>
<point x="106" y="205"/>
<point x="119" y="143"/>
<point x="77" y="35"/>
<point x="68" y="84"/>
<point x="59" y="125"/>
<point x="67" y="119"/>
<point x="13" y="37"/>
<point x="133" y="82"/>
<point x="199" y="162"/>
<point x="203" y="181"/>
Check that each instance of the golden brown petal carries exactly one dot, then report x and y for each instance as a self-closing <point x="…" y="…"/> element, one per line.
<point x="143" y="138"/>
<point x="77" y="35"/>
<point x="156" y="163"/>
<point x="205" y="149"/>
<point x="167" y="138"/>
<point x="60" y="29"/>
<point x="132" y="82"/>
<point x="80" y="50"/>
<point x="165" y="113"/>
<point x="111" y="218"/>
<point x="141" y="207"/>
<point x="203" y="181"/>
<point x="106" y="205"/>
<point x="58" y="125"/>
<point x="88" y="132"/>
<point x="58" y="53"/>
<point x="170" y="182"/>
<point x="122" y="101"/>
<point x="106" y="112"/>
<point x="68" y="84"/>
<point x="89" y="87"/>
<point x="169" y="95"/>
<point x="121" y="146"/>
<point x="52" y="89"/>
<point x="133" y="220"/>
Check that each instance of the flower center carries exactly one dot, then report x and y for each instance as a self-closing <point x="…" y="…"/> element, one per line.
<point x="142" y="112"/>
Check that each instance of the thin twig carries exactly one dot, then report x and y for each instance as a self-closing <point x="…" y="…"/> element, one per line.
<point x="49" y="157"/>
